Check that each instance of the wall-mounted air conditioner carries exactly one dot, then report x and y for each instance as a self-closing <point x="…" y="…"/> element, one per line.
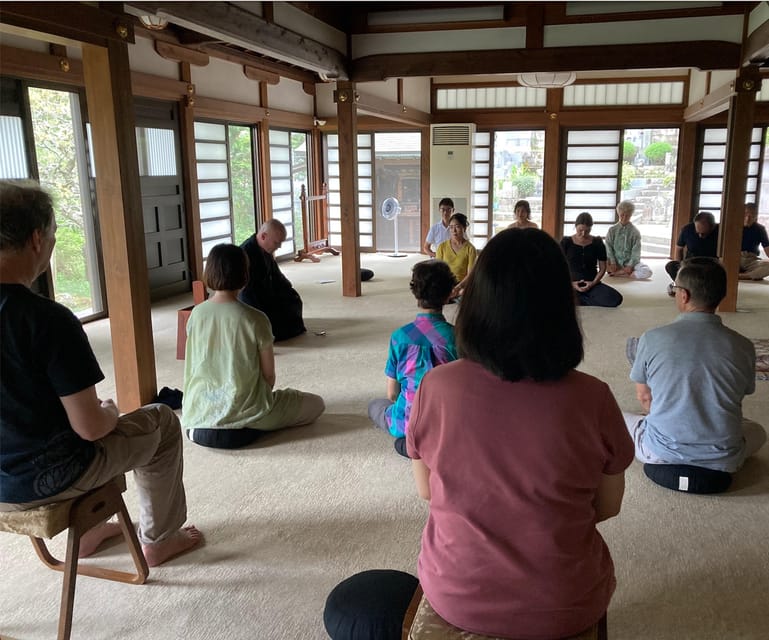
<point x="451" y="148"/>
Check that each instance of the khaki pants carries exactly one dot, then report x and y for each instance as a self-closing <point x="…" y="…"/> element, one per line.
<point x="147" y="441"/>
<point x="751" y="266"/>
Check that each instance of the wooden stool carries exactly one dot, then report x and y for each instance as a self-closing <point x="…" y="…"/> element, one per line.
<point x="79" y="515"/>
<point x="421" y="622"/>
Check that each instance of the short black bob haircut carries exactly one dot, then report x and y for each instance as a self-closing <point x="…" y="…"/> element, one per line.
<point x="518" y="318"/>
<point x="226" y="268"/>
<point x="431" y="283"/>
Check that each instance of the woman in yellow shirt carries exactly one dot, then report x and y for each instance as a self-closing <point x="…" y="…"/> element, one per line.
<point x="458" y="252"/>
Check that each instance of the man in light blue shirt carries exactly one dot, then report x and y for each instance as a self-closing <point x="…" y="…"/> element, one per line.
<point x="691" y="377"/>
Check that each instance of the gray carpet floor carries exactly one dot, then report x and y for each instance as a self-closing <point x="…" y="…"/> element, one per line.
<point x="288" y="518"/>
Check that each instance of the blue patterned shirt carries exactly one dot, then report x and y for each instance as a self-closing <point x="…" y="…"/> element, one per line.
<point x="415" y="349"/>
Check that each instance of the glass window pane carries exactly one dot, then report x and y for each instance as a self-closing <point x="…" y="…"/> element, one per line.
<point x="591" y="169"/>
<point x="210" y="151"/>
<point x="591" y="184"/>
<point x="713" y="152"/>
<point x="212" y="170"/>
<point x="157" y="151"/>
<point x="13" y="155"/>
<point x="715" y="168"/>
<point x="364" y="155"/>
<point x="611" y="137"/>
<point x="715" y="135"/>
<point x="280" y="154"/>
<point x="281" y="186"/>
<point x="280" y="170"/>
<point x="592" y="153"/>
<point x="588" y="200"/>
<point x="279" y="137"/>
<point x="280" y="202"/>
<point x="215" y="228"/>
<point x="210" y="190"/>
<point x="365" y="184"/>
<point x="209" y="131"/>
<point x="712" y="184"/>
<point x="215" y="209"/>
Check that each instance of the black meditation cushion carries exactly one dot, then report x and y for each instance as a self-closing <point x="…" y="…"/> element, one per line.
<point x="688" y="478"/>
<point x="369" y="606"/>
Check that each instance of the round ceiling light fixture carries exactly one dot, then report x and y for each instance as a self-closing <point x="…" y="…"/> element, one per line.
<point x="547" y="79"/>
<point x="155" y="23"/>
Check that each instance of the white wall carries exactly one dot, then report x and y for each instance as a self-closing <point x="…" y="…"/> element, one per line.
<point x="289" y="96"/>
<point x="143" y="57"/>
<point x="226" y="81"/>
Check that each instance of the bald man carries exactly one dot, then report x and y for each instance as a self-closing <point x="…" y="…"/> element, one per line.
<point x="268" y="289"/>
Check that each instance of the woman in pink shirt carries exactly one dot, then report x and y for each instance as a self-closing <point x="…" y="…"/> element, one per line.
<point x="518" y="454"/>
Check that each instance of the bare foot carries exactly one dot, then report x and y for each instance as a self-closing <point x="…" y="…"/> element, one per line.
<point x="183" y="540"/>
<point x="90" y="540"/>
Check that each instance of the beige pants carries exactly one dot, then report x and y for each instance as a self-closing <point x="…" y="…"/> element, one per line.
<point x="147" y="441"/>
<point x="751" y="266"/>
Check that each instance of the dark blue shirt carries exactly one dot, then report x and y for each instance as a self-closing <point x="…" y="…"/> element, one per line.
<point x="696" y="246"/>
<point x="753" y="236"/>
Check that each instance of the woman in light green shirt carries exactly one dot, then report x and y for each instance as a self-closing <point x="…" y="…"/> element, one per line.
<point x="229" y="369"/>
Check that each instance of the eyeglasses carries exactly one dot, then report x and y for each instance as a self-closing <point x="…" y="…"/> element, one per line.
<point x="456" y="226"/>
<point x="672" y="288"/>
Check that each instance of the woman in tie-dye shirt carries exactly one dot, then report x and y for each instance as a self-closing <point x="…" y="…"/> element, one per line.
<point x="416" y="348"/>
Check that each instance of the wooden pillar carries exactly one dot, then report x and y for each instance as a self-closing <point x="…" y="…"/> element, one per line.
<point x="552" y="216"/>
<point x="110" y="107"/>
<point x="347" y="120"/>
<point x="425" y="215"/>
<point x="739" y="131"/>
<point x="190" y="175"/>
<point x="263" y="153"/>
<point x="685" y="175"/>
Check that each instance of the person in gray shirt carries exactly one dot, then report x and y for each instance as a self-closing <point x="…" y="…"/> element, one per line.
<point x="691" y="376"/>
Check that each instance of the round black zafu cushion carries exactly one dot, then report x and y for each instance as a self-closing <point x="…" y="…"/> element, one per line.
<point x="685" y="477"/>
<point x="366" y="274"/>
<point x="370" y="605"/>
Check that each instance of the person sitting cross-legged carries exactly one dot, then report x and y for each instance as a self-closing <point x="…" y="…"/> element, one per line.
<point x="699" y="238"/>
<point x="691" y="376"/>
<point x="586" y="255"/>
<point x="415" y="349"/>
<point x="229" y="366"/>
<point x="753" y="236"/>
<point x="458" y="252"/>
<point x="268" y="289"/>
<point x="58" y="440"/>
<point x="623" y="246"/>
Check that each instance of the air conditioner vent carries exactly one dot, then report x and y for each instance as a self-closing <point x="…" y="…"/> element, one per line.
<point x="455" y="135"/>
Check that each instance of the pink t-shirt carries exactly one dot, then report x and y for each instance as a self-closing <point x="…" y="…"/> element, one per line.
<point x="510" y="546"/>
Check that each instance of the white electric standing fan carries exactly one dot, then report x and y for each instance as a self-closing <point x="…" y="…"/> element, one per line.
<point x="390" y="210"/>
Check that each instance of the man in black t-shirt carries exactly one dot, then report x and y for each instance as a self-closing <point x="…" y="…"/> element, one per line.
<point x="59" y="440"/>
<point x="698" y="238"/>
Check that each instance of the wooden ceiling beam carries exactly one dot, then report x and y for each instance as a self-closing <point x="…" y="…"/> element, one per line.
<point x="389" y="110"/>
<point x="180" y="54"/>
<point x="231" y="23"/>
<point x="247" y="59"/>
<point x="756" y="48"/>
<point x="702" y="54"/>
<point x="75" y="21"/>
<point x="718" y="100"/>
